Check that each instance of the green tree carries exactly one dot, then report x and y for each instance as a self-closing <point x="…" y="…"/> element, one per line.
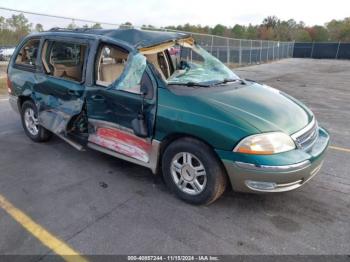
<point x="219" y="30"/>
<point x="302" y="36"/>
<point x="339" y="30"/>
<point x="238" y="31"/>
<point x="318" y="33"/>
<point x="251" y="32"/>
<point x="96" y="26"/>
<point x="39" y="28"/>
<point x="270" y="22"/>
<point x="281" y="31"/>
<point x="2" y="23"/>
<point x="126" y="25"/>
<point x="19" y="25"/>
<point x="72" y="25"/>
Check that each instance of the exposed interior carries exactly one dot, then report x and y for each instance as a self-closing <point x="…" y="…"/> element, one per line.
<point x="165" y="56"/>
<point x="64" y="60"/>
<point x="181" y="62"/>
<point x="28" y="54"/>
<point x="111" y="64"/>
<point x="111" y="61"/>
<point x="161" y="62"/>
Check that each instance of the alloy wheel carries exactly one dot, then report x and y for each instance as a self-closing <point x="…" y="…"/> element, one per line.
<point x="188" y="173"/>
<point x="31" y="121"/>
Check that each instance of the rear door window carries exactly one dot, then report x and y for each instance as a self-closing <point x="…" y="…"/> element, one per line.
<point x="64" y="60"/>
<point x="27" y="56"/>
<point x="111" y="64"/>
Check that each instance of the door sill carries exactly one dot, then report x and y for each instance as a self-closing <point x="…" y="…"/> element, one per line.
<point x="152" y="164"/>
<point x="74" y="144"/>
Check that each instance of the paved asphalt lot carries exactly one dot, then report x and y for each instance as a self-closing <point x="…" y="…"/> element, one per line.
<point x="101" y="205"/>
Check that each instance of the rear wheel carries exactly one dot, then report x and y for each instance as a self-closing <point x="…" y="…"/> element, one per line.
<point x="33" y="130"/>
<point x="193" y="172"/>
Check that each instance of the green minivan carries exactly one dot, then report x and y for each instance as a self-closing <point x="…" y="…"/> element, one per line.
<point x="159" y="100"/>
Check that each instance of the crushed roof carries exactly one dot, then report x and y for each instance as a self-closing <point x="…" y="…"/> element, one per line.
<point x="134" y="37"/>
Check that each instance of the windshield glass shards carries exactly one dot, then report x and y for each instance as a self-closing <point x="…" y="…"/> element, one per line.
<point x="194" y="66"/>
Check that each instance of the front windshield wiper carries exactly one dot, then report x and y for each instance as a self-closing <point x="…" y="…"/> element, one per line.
<point x="228" y="80"/>
<point x="190" y="84"/>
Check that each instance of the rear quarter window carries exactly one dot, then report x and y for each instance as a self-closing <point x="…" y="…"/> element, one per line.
<point x="27" y="56"/>
<point x="64" y="59"/>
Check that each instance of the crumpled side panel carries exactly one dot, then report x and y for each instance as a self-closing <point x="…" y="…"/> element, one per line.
<point x="122" y="142"/>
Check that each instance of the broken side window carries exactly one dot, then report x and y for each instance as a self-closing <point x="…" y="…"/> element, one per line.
<point x="130" y="81"/>
<point x="111" y="64"/>
<point x="28" y="53"/>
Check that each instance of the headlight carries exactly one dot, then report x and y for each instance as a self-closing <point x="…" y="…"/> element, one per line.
<point x="265" y="144"/>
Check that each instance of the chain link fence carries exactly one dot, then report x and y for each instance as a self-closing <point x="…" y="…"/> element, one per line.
<point x="239" y="52"/>
<point x="322" y="50"/>
<point x="233" y="52"/>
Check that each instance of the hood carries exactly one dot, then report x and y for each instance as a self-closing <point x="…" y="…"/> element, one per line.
<point x="263" y="107"/>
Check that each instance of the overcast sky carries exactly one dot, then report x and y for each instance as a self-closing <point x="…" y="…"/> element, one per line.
<point x="164" y="12"/>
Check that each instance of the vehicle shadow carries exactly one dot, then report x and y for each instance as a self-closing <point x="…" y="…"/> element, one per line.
<point x="141" y="179"/>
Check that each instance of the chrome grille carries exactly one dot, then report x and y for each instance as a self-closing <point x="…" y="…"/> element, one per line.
<point x="306" y="137"/>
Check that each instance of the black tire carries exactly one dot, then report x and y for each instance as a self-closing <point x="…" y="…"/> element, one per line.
<point x="216" y="179"/>
<point x="43" y="134"/>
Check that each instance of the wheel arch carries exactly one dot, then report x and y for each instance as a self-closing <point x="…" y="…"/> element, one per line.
<point x="22" y="99"/>
<point x="169" y="139"/>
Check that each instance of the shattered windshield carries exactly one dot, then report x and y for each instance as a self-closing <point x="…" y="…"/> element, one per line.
<point x="177" y="64"/>
<point x="195" y="66"/>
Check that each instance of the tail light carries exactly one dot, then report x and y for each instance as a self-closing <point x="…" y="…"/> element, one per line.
<point x="9" y="85"/>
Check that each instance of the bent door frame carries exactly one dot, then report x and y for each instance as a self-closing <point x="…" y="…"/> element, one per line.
<point x="55" y="112"/>
<point x="109" y="136"/>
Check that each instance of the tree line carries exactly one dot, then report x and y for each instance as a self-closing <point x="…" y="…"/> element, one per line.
<point x="13" y="29"/>
<point x="272" y="28"/>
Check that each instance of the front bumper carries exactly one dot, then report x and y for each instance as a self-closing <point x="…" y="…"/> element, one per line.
<point x="275" y="173"/>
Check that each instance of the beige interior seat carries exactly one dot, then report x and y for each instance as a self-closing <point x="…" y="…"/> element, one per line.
<point x="109" y="72"/>
<point x="153" y="59"/>
<point x="72" y="72"/>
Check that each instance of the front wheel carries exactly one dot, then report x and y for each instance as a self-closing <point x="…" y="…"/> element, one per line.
<point x="193" y="172"/>
<point x="33" y="130"/>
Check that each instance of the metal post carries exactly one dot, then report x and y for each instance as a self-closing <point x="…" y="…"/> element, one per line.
<point x="273" y="50"/>
<point x="282" y="51"/>
<point x="212" y="43"/>
<point x="312" y="49"/>
<point x="260" y="50"/>
<point x="279" y="53"/>
<point x="250" y="54"/>
<point x="240" y="51"/>
<point x="228" y="51"/>
<point x="336" y="56"/>
<point x="267" y="55"/>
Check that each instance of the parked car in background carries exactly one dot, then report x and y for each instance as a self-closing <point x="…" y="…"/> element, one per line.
<point x="159" y="100"/>
<point x="6" y="53"/>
